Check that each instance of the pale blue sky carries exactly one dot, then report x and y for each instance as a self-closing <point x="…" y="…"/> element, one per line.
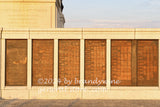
<point x="112" y="13"/>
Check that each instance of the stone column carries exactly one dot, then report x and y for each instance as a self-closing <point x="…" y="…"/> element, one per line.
<point x="0" y="60"/>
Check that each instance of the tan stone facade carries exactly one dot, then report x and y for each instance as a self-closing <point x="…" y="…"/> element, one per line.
<point x="31" y="14"/>
<point x="37" y="55"/>
<point x="103" y="36"/>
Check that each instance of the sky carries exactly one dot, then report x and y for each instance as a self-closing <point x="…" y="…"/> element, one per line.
<point x="112" y="13"/>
